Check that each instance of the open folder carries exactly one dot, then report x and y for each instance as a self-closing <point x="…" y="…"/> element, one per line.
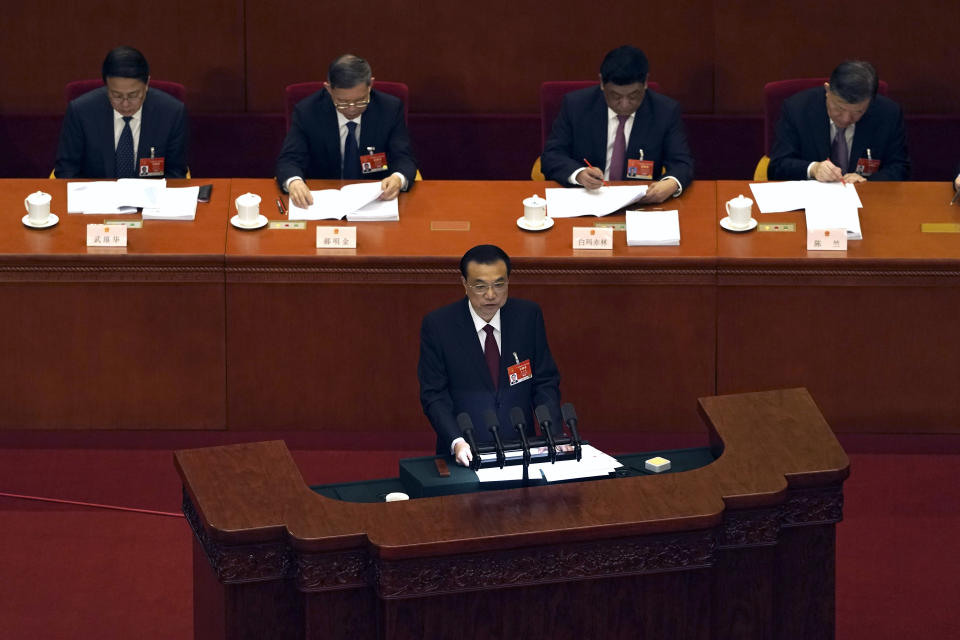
<point x="356" y="202"/>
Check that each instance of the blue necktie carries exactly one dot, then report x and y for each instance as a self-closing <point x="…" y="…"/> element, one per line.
<point x="124" y="159"/>
<point x="351" y="154"/>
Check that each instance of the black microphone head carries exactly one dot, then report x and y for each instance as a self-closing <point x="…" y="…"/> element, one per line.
<point x="543" y="414"/>
<point x="490" y="419"/>
<point x="517" y="417"/>
<point x="568" y="412"/>
<point x="464" y="422"/>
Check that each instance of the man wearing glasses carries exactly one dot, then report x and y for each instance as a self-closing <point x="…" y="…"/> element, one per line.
<point x="841" y="131"/>
<point x="484" y="353"/>
<point x="620" y="130"/>
<point x="348" y="131"/>
<point x="106" y="132"/>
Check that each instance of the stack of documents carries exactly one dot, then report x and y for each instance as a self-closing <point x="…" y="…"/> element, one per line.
<point x="356" y="202"/>
<point x="777" y="197"/>
<point x="833" y="217"/>
<point x="121" y="196"/>
<point x="653" y="228"/>
<point x="570" y="203"/>
<point x="175" y="204"/>
<point x="593" y="463"/>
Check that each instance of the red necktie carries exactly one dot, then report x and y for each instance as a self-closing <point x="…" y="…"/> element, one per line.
<point x="492" y="354"/>
<point x="618" y="160"/>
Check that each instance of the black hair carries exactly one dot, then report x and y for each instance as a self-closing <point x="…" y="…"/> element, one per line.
<point x="348" y="71"/>
<point x="484" y="254"/>
<point x="624" y="65"/>
<point x="854" y="81"/>
<point x="125" y="62"/>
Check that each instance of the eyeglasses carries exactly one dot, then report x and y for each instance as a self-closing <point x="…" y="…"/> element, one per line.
<point x="134" y="96"/>
<point x="481" y="288"/>
<point x="342" y="106"/>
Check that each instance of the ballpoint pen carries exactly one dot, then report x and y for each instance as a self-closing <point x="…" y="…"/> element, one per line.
<point x="280" y="208"/>
<point x="591" y="166"/>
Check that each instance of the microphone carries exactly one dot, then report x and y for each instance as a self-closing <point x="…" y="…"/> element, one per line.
<point x="544" y="418"/>
<point x="466" y="426"/>
<point x="519" y="423"/>
<point x="570" y="417"/>
<point x="493" y="424"/>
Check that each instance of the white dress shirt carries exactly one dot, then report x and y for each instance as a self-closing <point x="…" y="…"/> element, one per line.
<point x="479" y="323"/>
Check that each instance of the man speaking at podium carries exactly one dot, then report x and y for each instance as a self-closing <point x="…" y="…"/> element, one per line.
<point x="484" y="353"/>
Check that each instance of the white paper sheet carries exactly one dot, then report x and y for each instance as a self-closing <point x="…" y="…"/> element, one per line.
<point x="593" y="463"/>
<point x="336" y="204"/>
<point x="653" y="228"/>
<point x="777" y="197"/>
<point x="573" y="202"/>
<point x="114" y="197"/>
<point x="835" y="217"/>
<point x="175" y="204"/>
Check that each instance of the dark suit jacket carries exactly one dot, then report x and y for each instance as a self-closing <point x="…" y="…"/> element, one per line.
<point x="454" y="377"/>
<point x="312" y="146"/>
<point x="580" y="131"/>
<point x="803" y="136"/>
<point x="86" y="140"/>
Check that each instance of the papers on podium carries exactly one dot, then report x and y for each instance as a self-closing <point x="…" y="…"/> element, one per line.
<point x="593" y="463"/>
<point x="777" y="197"/>
<point x="653" y="228"/>
<point x="355" y="202"/>
<point x="821" y="216"/>
<point x="175" y="204"/>
<point x="113" y="197"/>
<point x="573" y="202"/>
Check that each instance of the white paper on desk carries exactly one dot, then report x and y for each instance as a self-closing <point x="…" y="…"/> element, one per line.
<point x="570" y="203"/>
<point x="593" y="463"/>
<point x="377" y="211"/>
<point x="175" y="204"/>
<point x="777" y="197"/>
<point x="335" y="204"/>
<point x="114" y="197"/>
<point x="653" y="228"/>
<point x="835" y="217"/>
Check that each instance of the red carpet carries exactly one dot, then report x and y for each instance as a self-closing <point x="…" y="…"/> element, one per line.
<point x="74" y="572"/>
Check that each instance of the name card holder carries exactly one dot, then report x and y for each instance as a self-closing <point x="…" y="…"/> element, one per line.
<point x="336" y="237"/>
<point x="826" y="240"/>
<point x="600" y="238"/>
<point x="106" y="235"/>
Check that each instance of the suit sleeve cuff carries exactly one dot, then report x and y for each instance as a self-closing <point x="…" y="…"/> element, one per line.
<point x="286" y="185"/>
<point x="809" y="170"/>
<point x="573" y="176"/>
<point x="404" y="183"/>
<point x="453" y="445"/>
<point x="677" y="182"/>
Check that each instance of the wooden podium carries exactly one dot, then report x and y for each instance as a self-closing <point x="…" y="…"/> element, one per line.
<point x="741" y="548"/>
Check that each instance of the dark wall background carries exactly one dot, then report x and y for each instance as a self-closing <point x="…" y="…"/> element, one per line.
<point x="474" y="69"/>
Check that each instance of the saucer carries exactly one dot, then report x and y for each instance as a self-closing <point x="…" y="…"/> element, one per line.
<point x="260" y="222"/>
<point x="52" y="220"/>
<point x="725" y="223"/>
<point x="526" y="226"/>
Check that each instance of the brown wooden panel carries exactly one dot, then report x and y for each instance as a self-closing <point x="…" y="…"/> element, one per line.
<point x="336" y="335"/>
<point x="48" y="44"/>
<point x="472" y="58"/>
<point x="758" y="43"/>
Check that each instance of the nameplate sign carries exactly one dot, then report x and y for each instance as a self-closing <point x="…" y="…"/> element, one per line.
<point x="106" y="235"/>
<point x="826" y="240"/>
<point x="336" y="237"/>
<point x="593" y="238"/>
<point x="940" y="227"/>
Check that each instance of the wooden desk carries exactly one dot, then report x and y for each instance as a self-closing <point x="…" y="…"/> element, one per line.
<point x="870" y="331"/>
<point x="337" y="333"/>
<point x="742" y="548"/>
<point x="111" y="338"/>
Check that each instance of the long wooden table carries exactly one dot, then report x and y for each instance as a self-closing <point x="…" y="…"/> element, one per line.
<point x="741" y="548"/>
<point x="203" y="326"/>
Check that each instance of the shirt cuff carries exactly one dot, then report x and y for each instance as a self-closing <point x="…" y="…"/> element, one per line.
<point x="809" y="169"/>
<point x="286" y="185"/>
<point x="453" y="445"/>
<point x="573" y="176"/>
<point x="403" y="180"/>
<point x="679" y="186"/>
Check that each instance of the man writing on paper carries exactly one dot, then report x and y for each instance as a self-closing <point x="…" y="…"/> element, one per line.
<point x="471" y="351"/>
<point x="620" y="130"/>
<point x="841" y="131"/>
<point x="348" y="131"/>
<point x="106" y="132"/>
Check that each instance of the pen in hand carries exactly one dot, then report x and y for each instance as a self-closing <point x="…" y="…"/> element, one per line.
<point x="591" y="166"/>
<point x="280" y="208"/>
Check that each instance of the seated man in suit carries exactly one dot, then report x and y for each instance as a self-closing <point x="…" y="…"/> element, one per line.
<point x="107" y="132"/>
<point x="325" y="129"/>
<point x="465" y="351"/>
<point x="841" y="131"/>
<point x="620" y="130"/>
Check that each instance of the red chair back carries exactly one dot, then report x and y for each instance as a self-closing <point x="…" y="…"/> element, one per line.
<point x="294" y="93"/>
<point x="551" y="97"/>
<point x="774" y="93"/>
<point x="77" y="88"/>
